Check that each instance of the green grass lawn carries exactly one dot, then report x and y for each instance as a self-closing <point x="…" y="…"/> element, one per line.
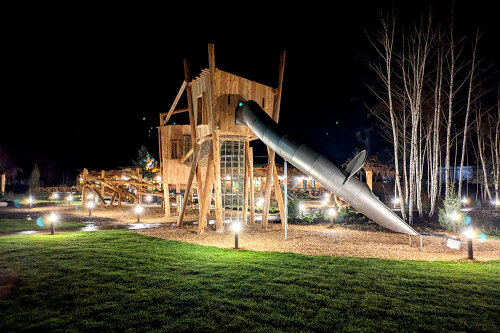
<point x="7" y="225"/>
<point x="122" y="281"/>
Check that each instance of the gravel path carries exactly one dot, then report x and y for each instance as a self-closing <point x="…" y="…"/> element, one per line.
<point x="336" y="241"/>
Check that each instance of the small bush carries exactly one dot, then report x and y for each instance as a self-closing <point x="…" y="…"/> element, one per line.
<point x="451" y="206"/>
<point x="293" y="208"/>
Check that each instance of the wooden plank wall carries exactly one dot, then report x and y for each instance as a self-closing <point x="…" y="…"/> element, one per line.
<point x="174" y="171"/>
<point x="238" y="89"/>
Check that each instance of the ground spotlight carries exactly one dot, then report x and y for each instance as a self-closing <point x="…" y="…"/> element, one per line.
<point x="236" y="228"/>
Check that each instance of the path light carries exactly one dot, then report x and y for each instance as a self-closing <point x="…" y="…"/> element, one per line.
<point x="69" y="198"/>
<point x="149" y="198"/>
<point x="158" y="179"/>
<point x="396" y="201"/>
<point x="56" y="195"/>
<point x="138" y="210"/>
<point x="325" y="201"/>
<point x="470" y="234"/>
<point x="260" y="202"/>
<point x="90" y="205"/>
<point x="302" y="208"/>
<point x="465" y="201"/>
<point x="454" y="216"/>
<point x="332" y="213"/>
<point x="52" y="219"/>
<point x="30" y="201"/>
<point x="236" y="228"/>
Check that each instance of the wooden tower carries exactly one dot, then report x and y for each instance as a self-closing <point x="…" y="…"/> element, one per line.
<point x="220" y="146"/>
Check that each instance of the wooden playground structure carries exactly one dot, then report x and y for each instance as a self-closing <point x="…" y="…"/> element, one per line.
<point x="212" y="152"/>
<point x="208" y="163"/>
<point x="118" y="185"/>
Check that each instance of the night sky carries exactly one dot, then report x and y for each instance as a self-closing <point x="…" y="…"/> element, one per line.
<point x="76" y="83"/>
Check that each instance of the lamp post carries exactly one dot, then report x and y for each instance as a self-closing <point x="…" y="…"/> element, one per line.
<point x="138" y="210"/>
<point x="469" y="233"/>
<point x="52" y="219"/>
<point x="236" y="228"/>
<point x="90" y="205"/>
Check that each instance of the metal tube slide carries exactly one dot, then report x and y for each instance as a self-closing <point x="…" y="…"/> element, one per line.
<point x="318" y="167"/>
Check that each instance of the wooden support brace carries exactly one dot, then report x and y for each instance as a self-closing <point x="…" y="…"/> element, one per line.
<point x="189" y="184"/>
<point x="207" y="191"/>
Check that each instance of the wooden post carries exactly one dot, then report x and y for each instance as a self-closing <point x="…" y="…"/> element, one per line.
<point x="214" y="124"/>
<point x="119" y="199"/>
<point x="207" y="192"/>
<point x="252" y="191"/>
<point x="194" y="139"/>
<point x="2" y="184"/>
<point x="369" y="179"/>
<point x="270" y="160"/>
<point x="279" y="195"/>
<point x="103" y="175"/>
<point x="188" y="189"/>
<point x="139" y="194"/>
<point x="84" y="187"/>
<point x="178" y="198"/>
<point x="247" y="183"/>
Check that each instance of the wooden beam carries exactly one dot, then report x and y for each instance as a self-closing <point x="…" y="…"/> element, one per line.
<point x="252" y="190"/>
<point x="176" y="100"/>
<point x="212" y="109"/>
<point x="194" y="139"/>
<point x="185" y="157"/>
<point x="207" y="191"/>
<point x="103" y="176"/>
<point x="192" y="173"/>
<point x="271" y="154"/>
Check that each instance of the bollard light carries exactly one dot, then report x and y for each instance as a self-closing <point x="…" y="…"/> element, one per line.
<point x="56" y="195"/>
<point x="90" y="205"/>
<point x="52" y="219"/>
<point x="30" y="201"/>
<point x="69" y="198"/>
<point x="302" y="208"/>
<point x="470" y="234"/>
<point x="138" y="210"/>
<point x="149" y="198"/>
<point x="236" y="228"/>
<point x="332" y="213"/>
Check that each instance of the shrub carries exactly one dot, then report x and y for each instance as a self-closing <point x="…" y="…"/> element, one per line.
<point x="293" y="208"/>
<point x="451" y="206"/>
